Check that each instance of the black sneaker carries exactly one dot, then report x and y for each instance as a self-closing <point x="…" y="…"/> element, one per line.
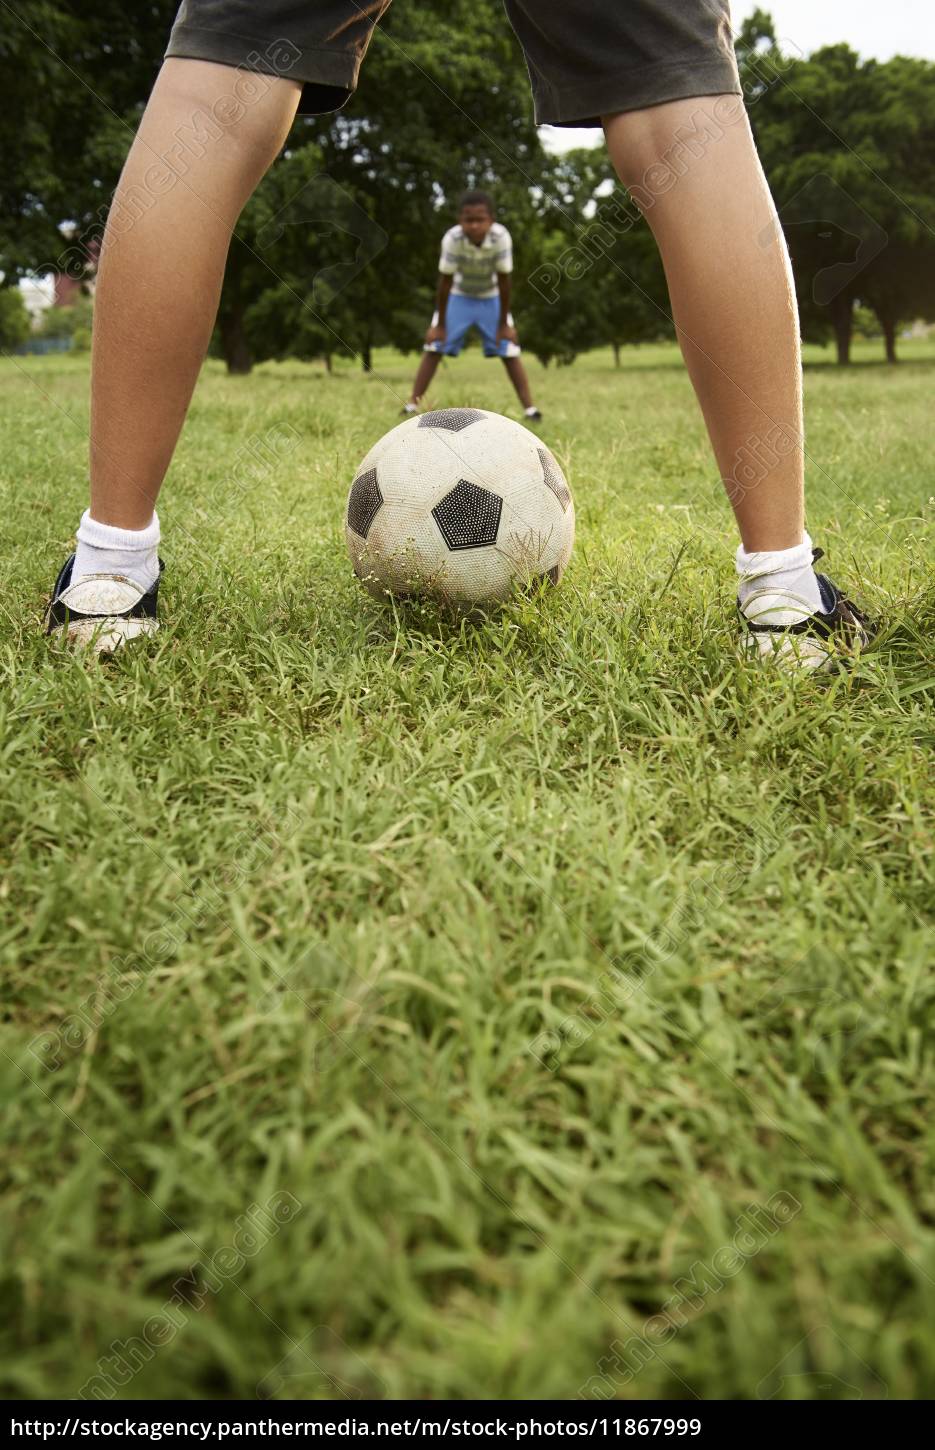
<point x="837" y="632"/>
<point x="102" y="611"/>
<point x="533" y="415"/>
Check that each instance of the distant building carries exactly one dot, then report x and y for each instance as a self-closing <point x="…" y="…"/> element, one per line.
<point x="65" y="290"/>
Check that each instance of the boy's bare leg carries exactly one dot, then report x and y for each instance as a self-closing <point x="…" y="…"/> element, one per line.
<point x="732" y="297"/>
<point x="162" y="264"/>
<point x="428" y="367"/>
<point x="518" y="378"/>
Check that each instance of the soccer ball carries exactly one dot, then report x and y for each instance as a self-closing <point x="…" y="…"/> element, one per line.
<point x="461" y="504"/>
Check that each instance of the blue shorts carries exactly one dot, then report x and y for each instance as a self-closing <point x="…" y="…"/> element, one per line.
<point x="467" y="312"/>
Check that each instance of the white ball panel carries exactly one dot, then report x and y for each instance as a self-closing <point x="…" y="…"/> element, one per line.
<point x="377" y="453"/>
<point x="479" y="574"/>
<point x="422" y="469"/>
<point x="418" y="466"/>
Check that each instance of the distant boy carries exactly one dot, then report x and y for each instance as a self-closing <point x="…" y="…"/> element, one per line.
<point x="475" y="277"/>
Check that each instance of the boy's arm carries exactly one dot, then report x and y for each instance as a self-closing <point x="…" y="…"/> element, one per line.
<point x="504" y="265"/>
<point x="437" y="331"/>
<point x="505" y="328"/>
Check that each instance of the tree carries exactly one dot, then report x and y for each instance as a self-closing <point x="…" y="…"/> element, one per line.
<point x="64" y="134"/>
<point x="66" y="321"/>
<point x="899" y="282"/>
<point x="14" y="319"/>
<point x="337" y="251"/>
<point x="866" y="323"/>
<point x="397" y="156"/>
<point x="599" y="278"/>
<point x="348" y="222"/>
<point x="849" y="150"/>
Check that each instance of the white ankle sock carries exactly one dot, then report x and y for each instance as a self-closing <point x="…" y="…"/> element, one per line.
<point x="778" y="586"/>
<point x="102" y="549"/>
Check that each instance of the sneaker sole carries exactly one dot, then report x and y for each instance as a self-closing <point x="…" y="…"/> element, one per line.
<point x="104" y="636"/>
<point x="797" y="652"/>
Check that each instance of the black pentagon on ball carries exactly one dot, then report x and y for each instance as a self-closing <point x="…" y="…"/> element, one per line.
<point x="454" y="419"/>
<point x="553" y="479"/>
<point x="363" y="503"/>
<point x="468" y="516"/>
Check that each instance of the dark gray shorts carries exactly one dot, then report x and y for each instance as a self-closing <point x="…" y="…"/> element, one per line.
<point x="586" y="58"/>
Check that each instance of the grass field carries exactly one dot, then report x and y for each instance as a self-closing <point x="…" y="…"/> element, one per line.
<point x="553" y="992"/>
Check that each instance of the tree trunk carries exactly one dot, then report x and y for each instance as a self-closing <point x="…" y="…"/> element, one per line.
<point x="889" y="337"/>
<point x="366" y="356"/>
<point x="616" y="348"/>
<point x="328" y="367"/>
<point x="842" y="320"/>
<point x="234" y="341"/>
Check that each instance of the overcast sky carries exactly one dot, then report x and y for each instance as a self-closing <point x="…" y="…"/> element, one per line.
<point x="878" y="28"/>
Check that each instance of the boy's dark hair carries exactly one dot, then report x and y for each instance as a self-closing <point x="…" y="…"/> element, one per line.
<point x="476" y="198"/>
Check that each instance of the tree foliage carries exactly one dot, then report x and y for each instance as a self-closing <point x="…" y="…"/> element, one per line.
<point x="370" y="189"/>
<point x="14" y="319"/>
<point x="598" y="271"/>
<point x="337" y="250"/>
<point x="849" y="150"/>
<point x="74" y="79"/>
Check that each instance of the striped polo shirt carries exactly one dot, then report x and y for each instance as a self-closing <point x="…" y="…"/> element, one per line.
<point x="475" y="269"/>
